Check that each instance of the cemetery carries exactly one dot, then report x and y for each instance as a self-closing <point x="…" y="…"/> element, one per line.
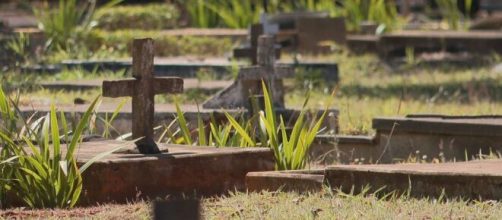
<point x="171" y="109"/>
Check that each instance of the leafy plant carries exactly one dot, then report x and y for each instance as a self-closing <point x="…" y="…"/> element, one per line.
<point x="19" y="46"/>
<point x="262" y="130"/>
<point x="47" y="177"/>
<point x="451" y="12"/>
<point x="379" y="11"/>
<point x="38" y="162"/>
<point x="154" y="16"/>
<point x="200" y="14"/>
<point x="69" y="22"/>
<point x="8" y="119"/>
<point x="235" y="13"/>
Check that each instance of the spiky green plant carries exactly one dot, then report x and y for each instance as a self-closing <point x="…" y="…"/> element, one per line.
<point x="261" y="130"/>
<point x="38" y="161"/>
<point x="48" y="176"/>
<point x="70" y="21"/>
<point x="452" y="14"/>
<point x="379" y="11"/>
<point x="200" y="14"/>
<point x="235" y="13"/>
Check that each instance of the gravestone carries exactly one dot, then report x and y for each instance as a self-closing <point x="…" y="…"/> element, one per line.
<point x="248" y="81"/>
<point x="143" y="88"/>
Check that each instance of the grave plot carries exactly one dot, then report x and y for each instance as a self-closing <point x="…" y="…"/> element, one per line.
<point x="393" y="45"/>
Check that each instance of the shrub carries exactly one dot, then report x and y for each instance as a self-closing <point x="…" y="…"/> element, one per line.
<point x="145" y="17"/>
<point x="165" y="45"/>
<point x="71" y="21"/>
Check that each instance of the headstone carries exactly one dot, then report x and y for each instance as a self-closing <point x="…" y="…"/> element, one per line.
<point x="311" y="38"/>
<point x="143" y="88"/>
<point x="248" y="82"/>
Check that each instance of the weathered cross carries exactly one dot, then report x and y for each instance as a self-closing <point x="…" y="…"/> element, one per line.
<point x="248" y="81"/>
<point x="143" y="88"/>
<point x="255" y="31"/>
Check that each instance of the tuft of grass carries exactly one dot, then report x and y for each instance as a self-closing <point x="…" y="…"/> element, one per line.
<point x="292" y="205"/>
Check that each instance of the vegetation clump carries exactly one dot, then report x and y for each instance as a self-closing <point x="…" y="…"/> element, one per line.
<point x="143" y="17"/>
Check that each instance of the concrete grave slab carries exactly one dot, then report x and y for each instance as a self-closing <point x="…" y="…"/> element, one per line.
<point x="436" y="136"/>
<point x="476" y="42"/>
<point x="468" y="180"/>
<point x="188" y="84"/>
<point x="201" y="171"/>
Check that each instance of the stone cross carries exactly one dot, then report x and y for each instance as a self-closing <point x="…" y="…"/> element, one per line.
<point x="250" y="52"/>
<point x="248" y="81"/>
<point x="143" y="87"/>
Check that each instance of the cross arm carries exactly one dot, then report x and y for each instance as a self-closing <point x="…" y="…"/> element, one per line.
<point x="126" y="87"/>
<point x="118" y="88"/>
<point x="162" y="85"/>
<point x="257" y="73"/>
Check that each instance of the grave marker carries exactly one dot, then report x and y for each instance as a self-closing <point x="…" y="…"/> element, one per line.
<point x="143" y="88"/>
<point x="248" y="81"/>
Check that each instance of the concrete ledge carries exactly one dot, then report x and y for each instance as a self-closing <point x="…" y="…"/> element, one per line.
<point x="187" y="170"/>
<point x="460" y="125"/>
<point x="469" y="180"/>
<point x="299" y="181"/>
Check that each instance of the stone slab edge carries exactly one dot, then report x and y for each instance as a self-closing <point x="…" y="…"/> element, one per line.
<point x="429" y="126"/>
<point x="417" y="184"/>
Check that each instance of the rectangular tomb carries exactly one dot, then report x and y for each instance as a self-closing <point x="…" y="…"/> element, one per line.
<point x="477" y="42"/>
<point x="188" y="170"/>
<point x="437" y="137"/>
<point x="468" y="180"/>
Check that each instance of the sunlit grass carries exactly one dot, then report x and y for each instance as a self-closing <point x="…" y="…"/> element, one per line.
<point x="282" y="205"/>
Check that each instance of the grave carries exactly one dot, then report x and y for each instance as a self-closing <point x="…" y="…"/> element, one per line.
<point x="394" y="44"/>
<point x="475" y="180"/>
<point x="186" y="170"/>
<point x="160" y="170"/>
<point x="475" y="42"/>
<point x="437" y="136"/>
<point x="300" y="30"/>
<point x="432" y="138"/>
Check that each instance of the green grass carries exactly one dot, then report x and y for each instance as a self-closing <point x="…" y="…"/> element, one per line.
<point x="280" y="205"/>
